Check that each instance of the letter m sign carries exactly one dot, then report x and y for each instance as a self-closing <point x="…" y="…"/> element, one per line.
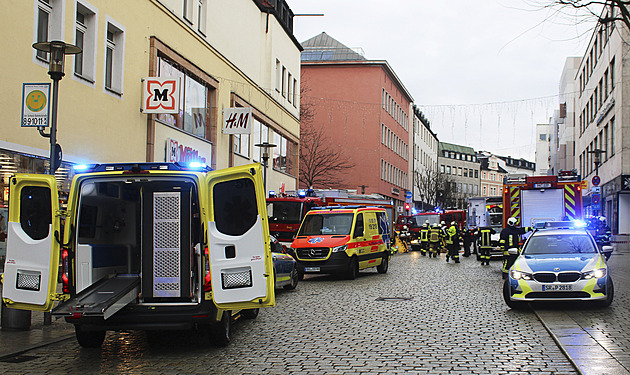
<point x="160" y="95"/>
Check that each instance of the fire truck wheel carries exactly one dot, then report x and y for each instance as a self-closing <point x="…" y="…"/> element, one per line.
<point x="294" y="280"/>
<point x="250" y="313"/>
<point x="353" y="269"/>
<point x="89" y="339"/>
<point x="222" y="331"/>
<point x="382" y="268"/>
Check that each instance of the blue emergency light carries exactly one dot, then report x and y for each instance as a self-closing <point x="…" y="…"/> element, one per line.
<point x="301" y="194"/>
<point x="272" y="193"/>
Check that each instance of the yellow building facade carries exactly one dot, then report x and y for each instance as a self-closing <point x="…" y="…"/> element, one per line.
<point x="237" y="53"/>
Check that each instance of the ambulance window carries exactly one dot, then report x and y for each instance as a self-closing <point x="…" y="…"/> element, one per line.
<point x="382" y="223"/>
<point x="358" y="227"/>
<point x="235" y="206"/>
<point x="35" y="211"/>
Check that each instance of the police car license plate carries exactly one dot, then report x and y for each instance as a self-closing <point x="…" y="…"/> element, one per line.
<point x="311" y="269"/>
<point x="556" y="287"/>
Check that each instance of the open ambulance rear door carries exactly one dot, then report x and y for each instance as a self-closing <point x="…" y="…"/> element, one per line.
<point x="238" y="239"/>
<point x="32" y="260"/>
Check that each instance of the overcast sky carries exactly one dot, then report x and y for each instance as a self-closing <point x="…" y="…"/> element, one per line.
<point x="483" y="72"/>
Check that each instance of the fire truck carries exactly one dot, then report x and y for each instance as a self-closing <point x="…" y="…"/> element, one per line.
<point x="535" y="199"/>
<point x="286" y="212"/>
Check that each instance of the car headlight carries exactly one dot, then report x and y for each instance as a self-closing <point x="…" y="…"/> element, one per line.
<point x="518" y="275"/>
<point x="338" y="249"/>
<point x="594" y="274"/>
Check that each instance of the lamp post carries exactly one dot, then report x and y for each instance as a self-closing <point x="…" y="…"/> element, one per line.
<point x="597" y="161"/>
<point x="58" y="51"/>
<point x="265" y="158"/>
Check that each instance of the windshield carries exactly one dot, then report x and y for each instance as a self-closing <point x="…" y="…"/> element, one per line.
<point x="326" y="224"/>
<point x="419" y="220"/>
<point x="284" y="212"/>
<point x="560" y="244"/>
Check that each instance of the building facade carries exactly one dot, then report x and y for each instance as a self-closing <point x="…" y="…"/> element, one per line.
<point x="543" y="145"/>
<point x="122" y="42"/>
<point x="517" y="166"/>
<point x="461" y="168"/>
<point x="425" y="153"/>
<point x="491" y="174"/>
<point x="364" y="108"/>
<point x="602" y="135"/>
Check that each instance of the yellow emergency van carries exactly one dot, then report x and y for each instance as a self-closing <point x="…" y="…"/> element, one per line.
<point x="343" y="240"/>
<point x="148" y="246"/>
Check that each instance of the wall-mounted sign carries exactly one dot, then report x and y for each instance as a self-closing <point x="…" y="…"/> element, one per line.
<point x="176" y="152"/>
<point x="237" y="120"/>
<point x="35" y="108"/>
<point x="160" y="95"/>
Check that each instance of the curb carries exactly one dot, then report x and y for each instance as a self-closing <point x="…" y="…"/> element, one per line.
<point x="558" y="343"/>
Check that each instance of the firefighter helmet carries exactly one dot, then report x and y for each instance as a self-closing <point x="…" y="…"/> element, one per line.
<point x="511" y="221"/>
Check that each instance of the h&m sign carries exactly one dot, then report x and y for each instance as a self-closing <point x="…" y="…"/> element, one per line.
<point x="237" y="120"/>
<point x="160" y="94"/>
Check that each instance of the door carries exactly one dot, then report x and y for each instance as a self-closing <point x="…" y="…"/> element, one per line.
<point x="32" y="262"/>
<point x="238" y="239"/>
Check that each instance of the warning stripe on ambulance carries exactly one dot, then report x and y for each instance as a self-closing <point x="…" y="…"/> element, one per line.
<point x="515" y="203"/>
<point x="570" y="207"/>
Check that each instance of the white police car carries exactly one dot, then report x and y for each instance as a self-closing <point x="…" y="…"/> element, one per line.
<point x="559" y="264"/>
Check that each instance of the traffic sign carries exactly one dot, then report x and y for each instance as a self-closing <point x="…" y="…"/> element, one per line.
<point x="35" y="104"/>
<point x="408" y="194"/>
<point x="595" y="199"/>
<point x="595" y="180"/>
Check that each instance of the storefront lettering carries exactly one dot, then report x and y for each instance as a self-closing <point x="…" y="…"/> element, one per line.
<point x="180" y="153"/>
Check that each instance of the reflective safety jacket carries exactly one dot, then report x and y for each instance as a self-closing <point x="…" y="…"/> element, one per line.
<point x="424" y="234"/>
<point x="511" y="237"/>
<point x="435" y="234"/>
<point x="451" y="235"/>
<point x="484" y="236"/>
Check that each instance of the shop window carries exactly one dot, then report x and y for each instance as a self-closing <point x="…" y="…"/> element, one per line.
<point x="195" y="98"/>
<point x="235" y="206"/>
<point x="241" y="144"/>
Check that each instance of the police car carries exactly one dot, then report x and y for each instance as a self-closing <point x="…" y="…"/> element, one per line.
<point x="560" y="264"/>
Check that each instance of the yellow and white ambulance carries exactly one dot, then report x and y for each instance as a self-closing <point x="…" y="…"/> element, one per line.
<point x="148" y="246"/>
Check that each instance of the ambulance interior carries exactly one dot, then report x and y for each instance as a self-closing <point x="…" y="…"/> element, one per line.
<point x="144" y="233"/>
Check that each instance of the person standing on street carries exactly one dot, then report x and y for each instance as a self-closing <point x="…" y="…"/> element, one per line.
<point x="435" y="237"/>
<point x="467" y="239"/>
<point x="424" y="238"/>
<point x="510" y="238"/>
<point x="452" y="243"/>
<point x="485" y="244"/>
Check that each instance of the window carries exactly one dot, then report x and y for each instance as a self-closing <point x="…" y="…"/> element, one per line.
<point x="278" y="75"/>
<point x="114" y="57"/>
<point x="234" y="196"/>
<point x="612" y="136"/>
<point x="448" y="169"/>
<point x="48" y="24"/>
<point x="295" y="92"/>
<point x="284" y="81"/>
<point x="290" y="83"/>
<point x="485" y="190"/>
<point x="195" y="97"/>
<point x="188" y="10"/>
<point x="201" y="16"/>
<point x="35" y="211"/>
<point x="459" y="171"/>
<point x="85" y="38"/>
<point x="241" y="144"/>
<point x="543" y="137"/>
<point x="476" y="173"/>
<point x="261" y="135"/>
<point x="465" y="172"/>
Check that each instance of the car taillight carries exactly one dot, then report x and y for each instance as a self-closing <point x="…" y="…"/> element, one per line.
<point x="207" y="285"/>
<point x="65" y="271"/>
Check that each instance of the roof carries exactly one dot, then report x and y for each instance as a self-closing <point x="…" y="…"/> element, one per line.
<point x="326" y="48"/>
<point x="455" y="148"/>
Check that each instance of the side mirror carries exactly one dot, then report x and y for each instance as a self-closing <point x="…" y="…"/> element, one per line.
<point x="607" y="250"/>
<point x="513" y="251"/>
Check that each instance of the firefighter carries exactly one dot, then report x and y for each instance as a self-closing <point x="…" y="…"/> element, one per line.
<point x="435" y="237"/>
<point x="467" y="238"/>
<point x="510" y="238"/>
<point x="424" y="238"/>
<point x="485" y="244"/>
<point x="452" y="243"/>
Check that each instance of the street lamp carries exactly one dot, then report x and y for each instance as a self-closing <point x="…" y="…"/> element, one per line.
<point x="597" y="161"/>
<point x="265" y="157"/>
<point x="58" y="51"/>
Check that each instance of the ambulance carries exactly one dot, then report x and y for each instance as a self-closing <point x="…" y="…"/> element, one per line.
<point x="145" y="246"/>
<point x="343" y="241"/>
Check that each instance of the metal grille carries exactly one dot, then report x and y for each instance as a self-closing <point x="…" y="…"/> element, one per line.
<point x="313" y="253"/>
<point x="233" y="280"/>
<point x="28" y="280"/>
<point x="545" y="277"/>
<point x="166" y="244"/>
<point x="569" y="277"/>
<point x="558" y="295"/>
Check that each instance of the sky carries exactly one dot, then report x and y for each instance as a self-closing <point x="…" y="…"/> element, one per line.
<point x="483" y="72"/>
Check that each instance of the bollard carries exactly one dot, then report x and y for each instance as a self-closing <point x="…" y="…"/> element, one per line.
<point x="14" y="319"/>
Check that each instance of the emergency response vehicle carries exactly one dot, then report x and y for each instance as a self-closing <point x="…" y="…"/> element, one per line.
<point x="487" y="212"/>
<point x="148" y="246"/>
<point x="287" y="211"/>
<point x="534" y="199"/>
<point x="343" y="241"/>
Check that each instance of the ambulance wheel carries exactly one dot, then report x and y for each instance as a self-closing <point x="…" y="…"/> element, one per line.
<point x="382" y="268"/>
<point x="514" y="305"/>
<point x="250" y="313"/>
<point x="89" y="339"/>
<point x="222" y="331"/>
<point x="353" y="269"/>
<point x="294" y="277"/>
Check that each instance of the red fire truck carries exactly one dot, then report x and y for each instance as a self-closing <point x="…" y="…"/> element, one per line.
<point x="535" y="199"/>
<point x="286" y="212"/>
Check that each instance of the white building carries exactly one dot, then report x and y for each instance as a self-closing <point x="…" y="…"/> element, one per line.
<point x="425" y="148"/>
<point x="601" y="122"/>
<point x="543" y="137"/>
<point x="565" y="159"/>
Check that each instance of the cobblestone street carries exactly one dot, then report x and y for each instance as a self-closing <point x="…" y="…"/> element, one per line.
<point x="423" y="316"/>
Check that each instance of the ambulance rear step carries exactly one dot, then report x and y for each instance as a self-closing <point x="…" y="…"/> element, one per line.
<point x="102" y="299"/>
